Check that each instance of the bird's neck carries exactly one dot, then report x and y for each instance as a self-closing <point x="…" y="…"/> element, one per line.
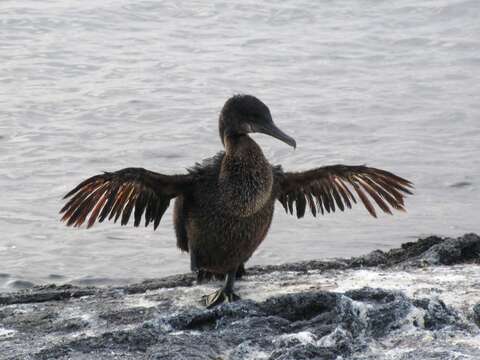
<point x="240" y="145"/>
<point x="245" y="176"/>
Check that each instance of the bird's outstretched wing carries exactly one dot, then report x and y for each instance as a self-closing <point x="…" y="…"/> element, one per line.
<point x="117" y="194"/>
<point x="333" y="187"/>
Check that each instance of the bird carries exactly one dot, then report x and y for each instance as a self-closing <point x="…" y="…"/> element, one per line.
<point x="224" y="205"/>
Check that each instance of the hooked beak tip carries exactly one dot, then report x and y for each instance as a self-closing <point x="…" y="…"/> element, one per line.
<point x="291" y="142"/>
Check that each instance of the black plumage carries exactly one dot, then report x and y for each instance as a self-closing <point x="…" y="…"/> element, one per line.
<point x="224" y="206"/>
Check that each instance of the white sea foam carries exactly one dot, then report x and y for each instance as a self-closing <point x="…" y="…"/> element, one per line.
<point x="257" y="355"/>
<point x="139" y="301"/>
<point x="455" y="284"/>
<point x="6" y="333"/>
<point x="304" y="337"/>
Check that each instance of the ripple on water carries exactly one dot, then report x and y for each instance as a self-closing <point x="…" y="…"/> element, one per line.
<point x="19" y="284"/>
<point x="461" y="184"/>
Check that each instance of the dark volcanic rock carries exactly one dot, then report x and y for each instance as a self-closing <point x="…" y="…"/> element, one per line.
<point x="432" y="250"/>
<point x="454" y="251"/>
<point x="45" y="293"/>
<point x="437" y="314"/>
<point x="373" y="312"/>
<point x="309" y="310"/>
<point x="303" y="352"/>
<point x="303" y="306"/>
<point x="476" y="314"/>
<point x="375" y="258"/>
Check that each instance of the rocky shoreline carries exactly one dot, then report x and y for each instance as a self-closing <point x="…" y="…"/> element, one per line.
<point x="420" y="301"/>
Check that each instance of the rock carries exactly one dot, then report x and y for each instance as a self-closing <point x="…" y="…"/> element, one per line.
<point x="375" y="258"/>
<point x="437" y="314"/>
<point x="340" y="340"/>
<point x="453" y="251"/>
<point x="303" y="352"/>
<point x="408" y="251"/>
<point x="45" y="293"/>
<point x="303" y="306"/>
<point x="373" y="312"/>
<point x="307" y="310"/>
<point x="432" y="250"/>
<point x="476" y="314"/>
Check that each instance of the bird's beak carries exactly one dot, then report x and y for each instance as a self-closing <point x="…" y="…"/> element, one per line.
<point x="272" y="130"/>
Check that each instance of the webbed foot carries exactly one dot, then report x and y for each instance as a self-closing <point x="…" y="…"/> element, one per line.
<point x="225" y="294"/>
<point x="219" y="297"/>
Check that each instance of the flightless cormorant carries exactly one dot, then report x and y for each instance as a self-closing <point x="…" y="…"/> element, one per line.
<point x="224" y="206"/>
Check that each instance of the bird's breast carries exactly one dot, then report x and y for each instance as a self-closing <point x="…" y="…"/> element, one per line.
<point x="245" y="184"/>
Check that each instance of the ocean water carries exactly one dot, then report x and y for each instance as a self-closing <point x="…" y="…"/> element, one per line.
<point x="88" y="86"/>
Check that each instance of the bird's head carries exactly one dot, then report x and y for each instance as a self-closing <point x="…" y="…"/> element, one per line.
<point x="243" y="114"/>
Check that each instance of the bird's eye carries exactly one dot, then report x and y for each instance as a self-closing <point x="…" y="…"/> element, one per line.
<point x="256" y="116"/>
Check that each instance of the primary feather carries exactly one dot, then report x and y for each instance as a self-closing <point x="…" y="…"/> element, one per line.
<point x="333" y="187"/>
<point x="114" y="195"/>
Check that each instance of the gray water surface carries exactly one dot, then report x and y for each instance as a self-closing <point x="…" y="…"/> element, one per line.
<point x="87" y="86"/>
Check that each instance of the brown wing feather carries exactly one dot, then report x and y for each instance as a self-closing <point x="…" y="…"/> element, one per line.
<point x="115" y="195"/>
<point x="333" y="187"/>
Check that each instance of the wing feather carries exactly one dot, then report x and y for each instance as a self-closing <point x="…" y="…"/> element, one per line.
<point x="139" y="208"/>
<point x="127" y="211"/>
<point x="383" y="193"/>
<point x="318" y="198"/>
<point x="283" y="201"/>
<point x="364" y="198"/>
<point x="111" y="196"/>
<point x="336" y="195"/>
<point x="344" y="192"/>
<point x="335" y="187"/>
<point x="311" y="202"/>
<point x="96" y="211"/>
<point x="375" y="196"/>
<point x="290" y="202"/>
<point x="327" y="197"/>
<point x="116" y="195"/>
<point x="301" y="204"/>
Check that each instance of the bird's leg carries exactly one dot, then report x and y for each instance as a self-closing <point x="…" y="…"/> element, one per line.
<point x="240" y="272"/>
<point x="205" y="276"/>
<point x="224" y="294"/>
